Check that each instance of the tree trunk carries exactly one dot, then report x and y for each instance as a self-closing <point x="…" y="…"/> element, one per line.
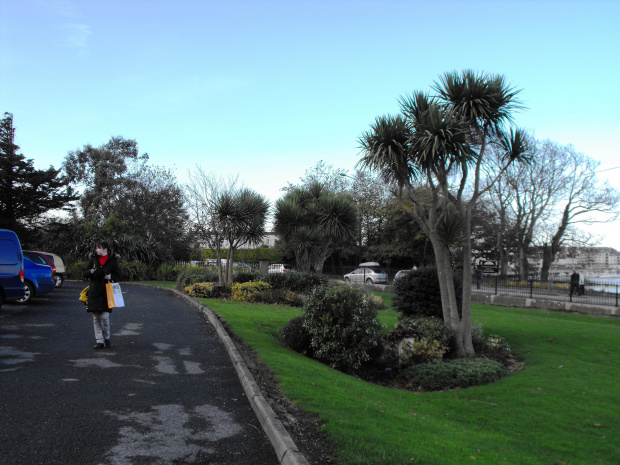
<point x="448" y="295"/>
<point x="546" y="264"/>
<point x="550" y="251"/>
<point x="229" y="264"/>
<point x="465" y="332"/>
<point x="218" y="262"/>
<point x="523" y="264"/>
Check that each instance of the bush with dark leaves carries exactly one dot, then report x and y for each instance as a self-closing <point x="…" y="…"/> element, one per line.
<point x="418" y="293"/>
<point x="277" y="297"/>
<point x="245" y="276"/>
<point x="295" y="336"/>
<point x="295" y="281"/>
<point x="459" y="373"/>
<point x="343" y="323"/>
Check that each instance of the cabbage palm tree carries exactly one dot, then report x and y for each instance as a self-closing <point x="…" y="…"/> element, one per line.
<point x="313" y="220"/>
<point x="439" y="142"/>
<point x="241" y="216"/>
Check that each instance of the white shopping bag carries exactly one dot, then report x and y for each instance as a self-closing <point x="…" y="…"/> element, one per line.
<point x="115" y="295"/>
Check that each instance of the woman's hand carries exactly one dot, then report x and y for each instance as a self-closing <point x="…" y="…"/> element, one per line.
<point x="108" y="276"/>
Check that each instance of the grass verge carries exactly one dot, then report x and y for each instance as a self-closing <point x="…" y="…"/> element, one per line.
<point x="560" y="408"/>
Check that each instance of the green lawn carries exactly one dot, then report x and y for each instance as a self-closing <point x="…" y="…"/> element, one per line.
<point x="560" y="408"/>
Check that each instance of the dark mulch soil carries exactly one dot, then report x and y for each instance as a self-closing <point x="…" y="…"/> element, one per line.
<point x="303" y="428"/>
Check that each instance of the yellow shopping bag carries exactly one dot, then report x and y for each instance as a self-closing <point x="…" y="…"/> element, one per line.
<point x="84" y="296"/>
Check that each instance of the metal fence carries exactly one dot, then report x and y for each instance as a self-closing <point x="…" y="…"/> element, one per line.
<point x="594" y="291"/>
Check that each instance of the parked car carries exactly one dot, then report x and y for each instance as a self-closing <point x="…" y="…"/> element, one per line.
<point x="280" y="268"/>
<point x="37" y="280"/>
<point x="239" y="266"/>
<point x="11" y="267"/>
<point x="401" y="274"/>
<point x="61" y="272"/>
<point x="40" y="259"/>
<point x="368" y="275"/>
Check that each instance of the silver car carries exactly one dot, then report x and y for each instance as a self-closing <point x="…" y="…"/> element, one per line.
<point x="367" y="275"/>
<point x="280" y="268"/>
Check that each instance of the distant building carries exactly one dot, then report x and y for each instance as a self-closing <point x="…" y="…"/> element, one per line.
<point x="269" y="240"/>
<point x="594" y="259"/>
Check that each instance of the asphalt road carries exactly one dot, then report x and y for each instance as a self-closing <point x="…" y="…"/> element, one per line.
<point x="165" y="393"/>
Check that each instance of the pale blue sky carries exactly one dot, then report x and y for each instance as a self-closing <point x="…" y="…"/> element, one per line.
<point x="265" y="89"/>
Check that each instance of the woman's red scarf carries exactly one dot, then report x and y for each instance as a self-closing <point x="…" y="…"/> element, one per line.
<point x="103" y="259"/>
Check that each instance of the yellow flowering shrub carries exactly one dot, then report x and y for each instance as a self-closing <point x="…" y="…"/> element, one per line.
<point x="245" y="291"/>
<point x="200" y="289"/>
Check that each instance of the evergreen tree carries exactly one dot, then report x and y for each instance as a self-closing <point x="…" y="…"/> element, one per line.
<point x="26" y="193"/>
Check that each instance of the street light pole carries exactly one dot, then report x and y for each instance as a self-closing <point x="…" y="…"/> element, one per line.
<point x="359" y="214"/>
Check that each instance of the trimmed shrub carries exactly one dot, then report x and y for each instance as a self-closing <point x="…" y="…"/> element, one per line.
<point x="278" y="297"/>
<point x="200" y="290"/>
<point x="342" y="321"/>
<point x="246" y="291"/>
<point x="459" y="373"/>
<point x="295" y="281"/>
<point x="245" y="276"/>
<point x="208" y="290"/>
<point x="295" y="336"/>
<point x="418" y="294"/>
<point x="192" y="275"/>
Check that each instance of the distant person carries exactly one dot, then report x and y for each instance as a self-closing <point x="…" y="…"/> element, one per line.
<point x="479" y="276"/>
<point x="582" y="282"/>
<point x="574" y="283"/>
<point x="101" y="269"/>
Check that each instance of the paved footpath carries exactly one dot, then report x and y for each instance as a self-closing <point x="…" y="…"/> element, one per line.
<point x="165" y="393"/>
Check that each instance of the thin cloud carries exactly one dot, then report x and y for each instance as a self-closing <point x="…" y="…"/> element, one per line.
<point x="76" y="35"/>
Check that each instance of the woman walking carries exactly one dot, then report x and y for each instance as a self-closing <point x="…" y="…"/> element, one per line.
<point x="101" y="269"/>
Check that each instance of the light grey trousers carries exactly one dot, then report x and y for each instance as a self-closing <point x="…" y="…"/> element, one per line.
<point x="101" y="322"/>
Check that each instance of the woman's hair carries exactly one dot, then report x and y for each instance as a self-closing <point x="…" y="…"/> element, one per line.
<point x="104" y="245"/>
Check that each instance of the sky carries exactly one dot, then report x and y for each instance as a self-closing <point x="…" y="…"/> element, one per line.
<point x="267" y="89"/>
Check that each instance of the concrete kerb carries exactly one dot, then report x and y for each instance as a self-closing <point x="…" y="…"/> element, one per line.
<point x="282" y="442"/>
<point x="503" y="300"/>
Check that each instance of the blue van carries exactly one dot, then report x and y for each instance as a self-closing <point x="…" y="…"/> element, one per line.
<point x="11" y="267"/>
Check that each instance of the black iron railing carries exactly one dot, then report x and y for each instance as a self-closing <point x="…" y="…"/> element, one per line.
<point x="593" y="291"/>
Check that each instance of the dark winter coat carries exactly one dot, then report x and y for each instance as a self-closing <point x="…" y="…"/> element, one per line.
<point x="97" y="298"/>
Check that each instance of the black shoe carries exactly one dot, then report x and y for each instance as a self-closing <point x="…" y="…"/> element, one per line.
<point x="98" y="346"/>
<point x="107" y="343"/>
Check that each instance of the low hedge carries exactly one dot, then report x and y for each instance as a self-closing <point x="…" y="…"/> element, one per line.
<point x="459" y="373"/>
<point x="194" y="275"/>
<point x="208" y="290"/>
<point x="295" y="281"/>
<point x="278" y="297"/>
